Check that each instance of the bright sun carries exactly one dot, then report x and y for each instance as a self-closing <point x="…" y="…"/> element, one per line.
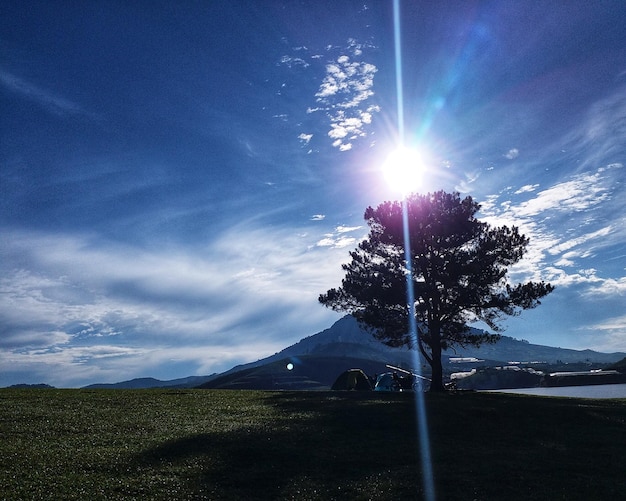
<point x="403" y="170"/>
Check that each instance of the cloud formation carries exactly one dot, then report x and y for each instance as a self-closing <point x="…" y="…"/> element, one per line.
<point x="338" y="238"/>
<point x="560" y="224"/>
<point x="110" y="311"/>
<point x="345" y="93"/>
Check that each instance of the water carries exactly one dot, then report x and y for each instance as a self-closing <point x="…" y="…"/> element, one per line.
<point x="591" y="391"/>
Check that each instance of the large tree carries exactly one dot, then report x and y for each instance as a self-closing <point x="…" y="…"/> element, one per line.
<point x="458" y="269"/>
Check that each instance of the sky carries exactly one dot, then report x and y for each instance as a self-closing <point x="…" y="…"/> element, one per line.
<point x="181" y="180"/>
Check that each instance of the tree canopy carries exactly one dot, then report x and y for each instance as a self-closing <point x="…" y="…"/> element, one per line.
<point x="459" y="273"/>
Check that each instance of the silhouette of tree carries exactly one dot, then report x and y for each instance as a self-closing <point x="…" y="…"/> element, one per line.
<point x="459" y="269"/>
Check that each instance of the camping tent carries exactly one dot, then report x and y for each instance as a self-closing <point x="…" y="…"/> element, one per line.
<point x="386" y="382"/>
<point x="391" y="381"/>
<point x="352" y="379"/>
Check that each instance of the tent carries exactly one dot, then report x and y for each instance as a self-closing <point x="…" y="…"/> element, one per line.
<point x="386" y="382"/>
<point x="391" y="381"/>
<point x="352" y="379"/>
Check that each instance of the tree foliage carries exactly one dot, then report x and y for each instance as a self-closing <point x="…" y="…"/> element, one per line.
<point x="458" y="268"/>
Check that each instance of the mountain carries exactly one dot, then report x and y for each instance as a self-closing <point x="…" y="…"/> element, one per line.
<point x="509" y="349"/>
<point x="148" y="382"/>
<point x="31" y="386"/>
<point x="315" y="361"/>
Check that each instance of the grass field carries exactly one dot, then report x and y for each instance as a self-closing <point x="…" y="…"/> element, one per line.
<point x="209" y="444"/>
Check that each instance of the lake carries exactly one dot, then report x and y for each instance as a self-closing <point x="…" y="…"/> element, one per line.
<point x="592" y="391"/>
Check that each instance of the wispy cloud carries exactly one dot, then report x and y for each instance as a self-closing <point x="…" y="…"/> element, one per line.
<point x="579" y="240"/>
<point x="291" y="61"/>
<point x="512" y="153"/>
<point x="338" y="238"/>
<point x="559" y="223"/>
<point x="347" y="229"/>
<point x="46" y="98"/>
<point x="607" y="335"/>
<point x="609" y="287"/>
<point x="64" y="298"/>
<point x="527" y="188"/>
<point x="579" y="194"/>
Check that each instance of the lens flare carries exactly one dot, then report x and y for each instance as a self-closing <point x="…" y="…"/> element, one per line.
<point x="420" y="407"/>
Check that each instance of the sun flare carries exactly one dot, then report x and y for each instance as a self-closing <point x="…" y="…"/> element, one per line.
<point x="403" y="170"/>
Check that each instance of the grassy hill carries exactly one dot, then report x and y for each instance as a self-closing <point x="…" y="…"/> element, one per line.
<point x="231" y="445"/>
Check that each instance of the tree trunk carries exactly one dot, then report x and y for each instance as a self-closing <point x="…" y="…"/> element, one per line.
<point x="436" y="385"/>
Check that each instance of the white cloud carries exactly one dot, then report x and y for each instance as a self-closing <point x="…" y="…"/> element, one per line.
<point x="608" y="335"/>
<point x="305" y="138"/>
<point x="527" y="188"/>
<point x="609" y="287"/>
<point x="612" y="324"/>
<point x="63" y="295"/>
<point x="561" y="278"/>
<point x="579" y="240"/>
<point x="318" y="217"/>
<point x="464" y="185"/>
<point x="346" y="229"/>
<point x="512" y="153"/>
<point x="568" y="258"/>
<point x="579" y="194"/>
<point x="336" y="242"/>
<point x="562" y="228"/>
<point x="327" y="241"/>
<point x="337" y="239"/>
<point x="291" y="61"/>
<point x="342" y="94"/>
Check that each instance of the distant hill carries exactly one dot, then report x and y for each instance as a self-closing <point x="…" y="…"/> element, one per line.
<point x="317" y="360"/>
<point x="148" y="382"/>
<point x="509" y="349"/>
<point x="24" y="385"/>
<point x="619" y="366"/>
<point x="293" y="373"/>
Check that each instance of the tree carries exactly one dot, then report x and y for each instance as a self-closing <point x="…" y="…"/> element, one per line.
<point x="459" y="268"/>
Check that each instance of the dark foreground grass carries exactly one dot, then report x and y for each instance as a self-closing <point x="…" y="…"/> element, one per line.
<point x="209" y="444"/>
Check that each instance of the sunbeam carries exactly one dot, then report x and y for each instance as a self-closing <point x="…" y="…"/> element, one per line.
<point x="422" y="424"/>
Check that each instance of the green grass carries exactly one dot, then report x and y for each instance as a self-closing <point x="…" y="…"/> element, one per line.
<point x="210" y="444"/>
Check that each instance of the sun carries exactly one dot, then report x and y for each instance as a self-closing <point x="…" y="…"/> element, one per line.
<point x="403" y="170"/>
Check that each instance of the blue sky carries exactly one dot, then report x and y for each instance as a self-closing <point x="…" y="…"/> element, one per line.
<point x="181" y="180"/>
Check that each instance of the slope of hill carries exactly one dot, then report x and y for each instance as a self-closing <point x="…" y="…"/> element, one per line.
<point x="318" y="359"/>
<point x="509" y="349"/>
<point x="305" y="372"/>
<point x="619" y="366"/>
<point x="149" y="382"/>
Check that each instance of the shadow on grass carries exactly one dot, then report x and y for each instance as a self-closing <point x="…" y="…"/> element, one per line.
<point x="336" y="445"/>
<point x="319" y="446"/>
